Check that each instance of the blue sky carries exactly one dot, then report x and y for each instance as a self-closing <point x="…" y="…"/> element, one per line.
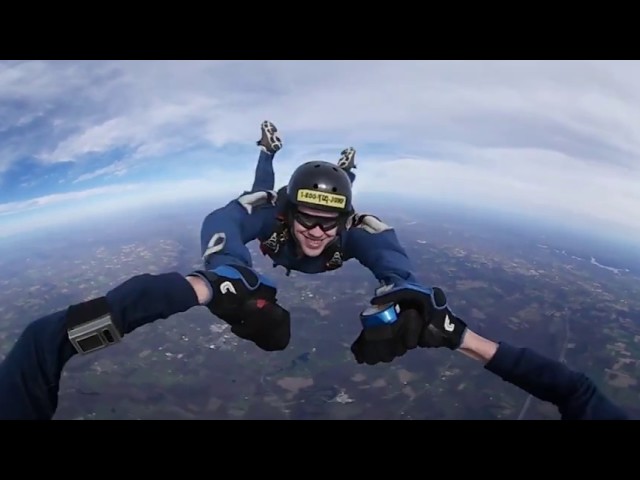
<point x="560" y="139"/>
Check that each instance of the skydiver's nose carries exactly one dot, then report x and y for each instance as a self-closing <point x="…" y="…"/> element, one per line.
<point x="316" y="232"/>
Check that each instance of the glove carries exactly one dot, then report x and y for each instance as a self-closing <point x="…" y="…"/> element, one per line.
<point x="424" y="320"/>
<point x="440" y="327"/>
<point x="247" y="301"/>
<point x="444" y="329"/>
<point x="387" y="341"/>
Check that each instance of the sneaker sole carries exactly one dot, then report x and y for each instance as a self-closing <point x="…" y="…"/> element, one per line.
<point x="347" y="158"/>
<point x="270" y="131"/>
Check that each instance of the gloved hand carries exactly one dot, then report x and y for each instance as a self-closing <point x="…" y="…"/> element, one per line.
<point x="423" y="319"/>
<point x="444" y="329"/>
<point x="247" y="301"/>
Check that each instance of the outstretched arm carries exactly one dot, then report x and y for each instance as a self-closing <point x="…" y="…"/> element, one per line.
<point x="226" y="231"/>
<point x="30" y="374"/>
<point x="376" y="246"/>
<point x="575" y="394"/>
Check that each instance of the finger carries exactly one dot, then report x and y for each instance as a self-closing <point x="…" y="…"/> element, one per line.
<point x="272" y="341"/>
<point x="385" y="351"/>
<point x="273" y="313"/>
<point x="404" y="297"/>
<point x="401" y="295"/>
<point x="412" y="325"/>
<point x="380" y="332"/>
<point x="371" y="353"/>
<point x="356" y="349"/>
<point x="241" y="331"/>
<point x="280" y="336"/>
<point x="391" y="297"/>
<point x="397" y="349"/>
<point x="430" y="337"/>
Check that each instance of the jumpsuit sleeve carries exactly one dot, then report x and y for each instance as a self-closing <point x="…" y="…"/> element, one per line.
<point x="573" y="393"/>
<point x="30" y="374"/>
<point x="376" y="246"/>
<point x="226" y="231"/>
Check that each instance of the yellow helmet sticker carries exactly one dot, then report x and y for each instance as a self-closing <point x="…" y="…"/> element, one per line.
<point x="322" y="198"/>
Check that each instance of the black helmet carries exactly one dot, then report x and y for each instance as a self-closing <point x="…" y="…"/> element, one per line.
<point x="320" y="185"/>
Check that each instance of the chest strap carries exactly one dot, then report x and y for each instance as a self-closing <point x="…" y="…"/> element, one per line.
<point x="277" y="239"/>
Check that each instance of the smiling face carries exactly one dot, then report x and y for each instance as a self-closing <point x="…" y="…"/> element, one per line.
<point x="314" y="229"/>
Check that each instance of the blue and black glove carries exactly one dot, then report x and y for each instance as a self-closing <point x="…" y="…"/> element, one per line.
<point x="247" y="301"/>
<point x="421" y="318"/>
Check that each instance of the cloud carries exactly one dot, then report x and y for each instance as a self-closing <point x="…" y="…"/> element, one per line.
<point x="12" y="208"/>
<point x="554" y="136"/>
<point x="65" y="208"/>
<point x="525" y="182"/>
<point x="117" y="168"/>
<point x="160" y="105"/>
<point x="214" y="183"/>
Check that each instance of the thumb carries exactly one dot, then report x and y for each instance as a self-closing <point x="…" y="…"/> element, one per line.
<point x="439" y="298"/>
<point x="394" y="296"/>
<point x="413" y="324"/>
<point x="402" y="296"/>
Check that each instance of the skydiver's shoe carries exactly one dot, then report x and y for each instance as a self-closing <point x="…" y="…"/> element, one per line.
<point x="347" y="159"/>
<point x="270" y="141"/>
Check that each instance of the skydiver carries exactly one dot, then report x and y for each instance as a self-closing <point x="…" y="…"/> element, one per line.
<point x="311" y="226"/>
<point x="30" y="373"/>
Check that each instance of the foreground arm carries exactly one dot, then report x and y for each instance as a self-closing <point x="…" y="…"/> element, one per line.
<point x="575" y="394"/>
<point x="30" y="374"/>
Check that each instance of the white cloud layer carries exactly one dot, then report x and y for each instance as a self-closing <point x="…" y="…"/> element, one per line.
<point x="558" y="137"/>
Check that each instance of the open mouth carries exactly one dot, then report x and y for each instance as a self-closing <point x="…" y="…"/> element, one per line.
<point x="313" y="242"/>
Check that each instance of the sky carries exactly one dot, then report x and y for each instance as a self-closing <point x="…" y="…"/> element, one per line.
<point x="555" y="139"/>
